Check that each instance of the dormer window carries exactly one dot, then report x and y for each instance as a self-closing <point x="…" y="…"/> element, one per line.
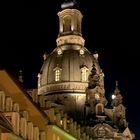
<point x="81" y="51"/>
<point x="84" y="74"/>
<point x="59" y="51"/>
<point x="57" y="72"/>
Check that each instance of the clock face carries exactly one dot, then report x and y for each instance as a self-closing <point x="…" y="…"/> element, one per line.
<point x="97" y="97"/>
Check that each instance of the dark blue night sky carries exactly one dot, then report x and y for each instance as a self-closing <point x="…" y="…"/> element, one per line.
<point x="30" y="29"/>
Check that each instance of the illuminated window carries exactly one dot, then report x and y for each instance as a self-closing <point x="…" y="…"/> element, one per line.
<point x="84" y="74"/>
<point x="39" y="79"/>
<point x="61" y="122"/>
<point x="57" y="71"/>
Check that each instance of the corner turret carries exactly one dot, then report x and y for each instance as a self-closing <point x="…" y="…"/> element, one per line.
<point x="70" y="19"/>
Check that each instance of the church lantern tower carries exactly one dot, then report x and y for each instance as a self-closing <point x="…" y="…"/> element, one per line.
<point x="69" y="19"/>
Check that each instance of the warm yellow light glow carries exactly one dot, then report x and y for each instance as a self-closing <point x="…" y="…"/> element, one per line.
<point x="97" y="96"/>
<point x="58" y="138"/>
<point x="61" y="28"/>
<point x="72" y="27"/>
<point x="81" y="52"/>
<point x="84" y="74"/>
<point x="59" y="51"/>
<point x="113" y="96"/>
<point x="39" y="80"/>
<point x="61" y="122"/>
<point x="57" y="75"/>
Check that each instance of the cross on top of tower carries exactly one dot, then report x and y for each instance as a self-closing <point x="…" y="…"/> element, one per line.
<point x="69" y="4"/>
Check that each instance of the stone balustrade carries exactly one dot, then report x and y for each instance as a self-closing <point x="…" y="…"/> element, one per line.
<point x="59" y="118"/>
<point x="21" y="126"/>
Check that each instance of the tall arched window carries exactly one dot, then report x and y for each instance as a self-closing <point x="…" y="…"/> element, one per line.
<point x="2" y="101"/>
<point x="57" y="75"/>
<point x="67" y="24"/>
<point x="39" y="79"/>
<point x="84" y="74"/>
<point x="99" y="109"/>
<point x="57" y="72"/>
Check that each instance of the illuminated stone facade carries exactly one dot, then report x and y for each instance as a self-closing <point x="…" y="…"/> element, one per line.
<point x="69" y="102"/>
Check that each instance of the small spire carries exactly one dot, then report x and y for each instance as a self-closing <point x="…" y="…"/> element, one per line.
<point x="116" y="97"/>
<point x="117" y="83"/>
<point x="116" y="91"/>
<point x="96" y="55"/>
<point x="20" y="76"/>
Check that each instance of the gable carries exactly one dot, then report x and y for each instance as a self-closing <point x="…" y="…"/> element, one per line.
<point x="103" y="130"/>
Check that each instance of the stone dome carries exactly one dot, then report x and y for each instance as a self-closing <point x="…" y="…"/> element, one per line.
<point x="63" y="77"/>
<point x="66" y="69"/>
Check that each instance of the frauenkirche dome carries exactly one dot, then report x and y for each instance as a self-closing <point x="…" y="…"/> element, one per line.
<point x="67" y="71"/>
<point x="67" y="68"/>
<point x="63" y="77"/>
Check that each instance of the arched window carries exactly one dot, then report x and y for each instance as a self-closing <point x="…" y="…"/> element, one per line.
<point x="67" y="24"/>
<point x="57" y="75"/>
<point x="84" y="74"/>
<point x="57" y="72"/>
<point x="99" y="108"/>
